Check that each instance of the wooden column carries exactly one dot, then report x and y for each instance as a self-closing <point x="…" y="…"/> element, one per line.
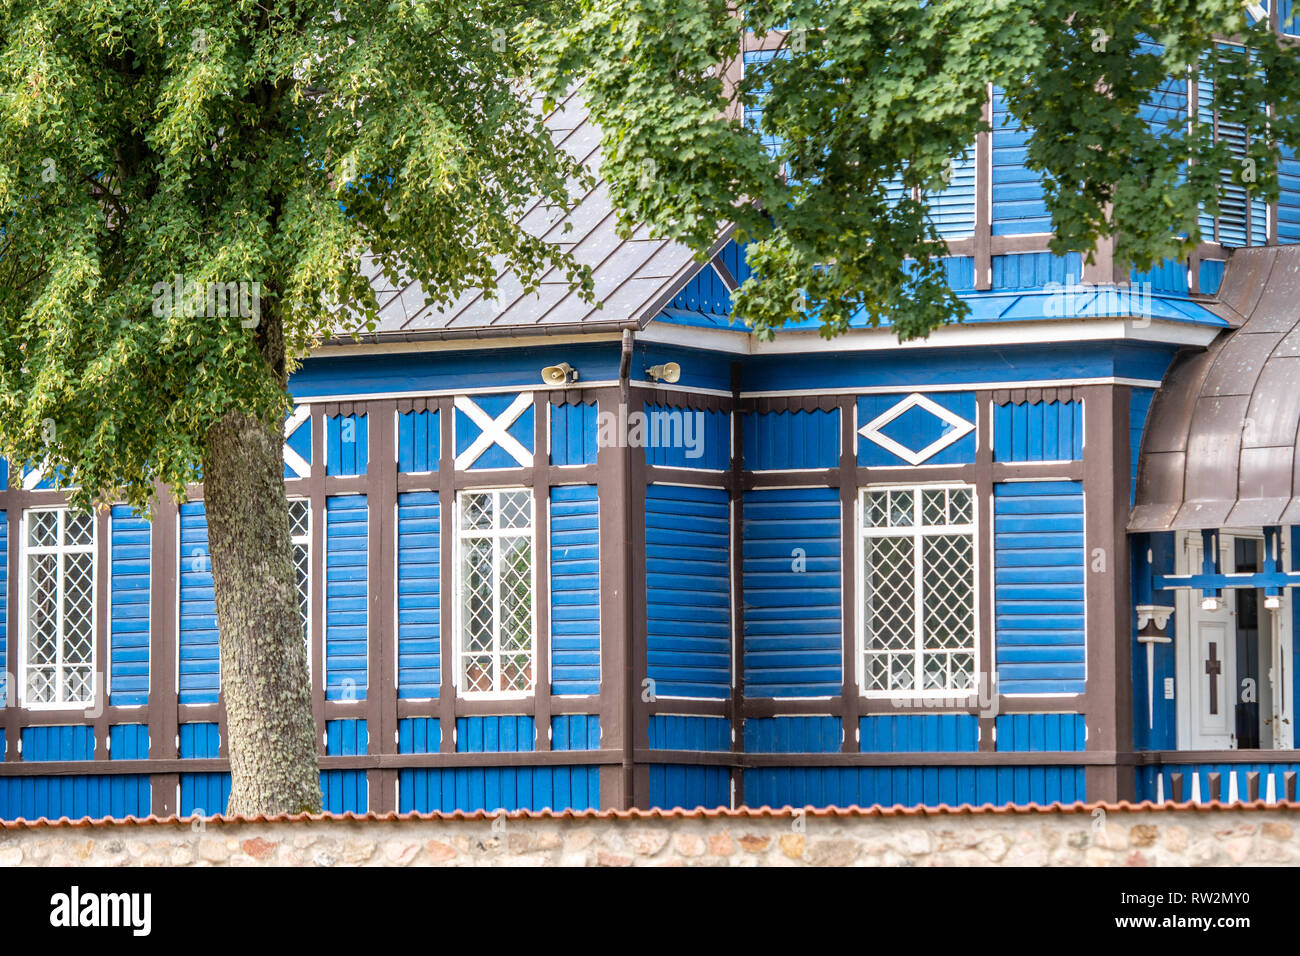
<point x="381" y="683"/>
<point x="541" y="571"/>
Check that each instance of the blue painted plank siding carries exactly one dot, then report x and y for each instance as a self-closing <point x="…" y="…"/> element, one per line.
<point x="467" y="432"/>
<point x="197" y="642"/>
<point x="706" y="292"/>
<point x="498" y="788"/>
<point x="1034" y="270"/>
<point x="952" y="209"/>
<point x="128" y="742"/>
<point x="1169" y="276"/>
<point x="129" y="608"/>
<point x="792" y="571"/>
<point x="793" y="735"/>
<point x="789" y="441"/>
<point x="508" y="734"/>
<point x="419" y="595"/>
<point x="575" y="590"/>
<point x="345" y="791"/>
<point x="687" y="786"/>
<point x="915" y="428"/>
<point x="1018" y="206"/>
<point x="1139" y="404"/>
<point x="686" y="438"/>
<point x="574" y="430"/>
<point x="65" y="742"/>
<point x="912" y="786"/>
<point x="1236" y="205"/>
<point x="575" y="732"/>
<point x="1038" y="431"/>
<point x="419" y="441"/>
<point x="202" y="794"/>
<point x="1020" y="733"/>
<point x="419" y="735"/>
<point x="347" y="444"/>
<point x="919" y="733"/>
<point x="680" y="732"/>
<point x="346" y="597"/>
<point x="75" y="797"/>
<point x="1288" y="203"/>
<point x="1039" y="586"/>
<point x="688" y="600"/>
<point x="1211" y="274"/>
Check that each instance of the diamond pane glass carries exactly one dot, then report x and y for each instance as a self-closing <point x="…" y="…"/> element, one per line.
<point x="42" y="609"/>
<point x="876" y="513"/>
<point x="925" y="641"/>
<point x="301" y="569"/>
<point x="478" y="673"/>
<point x="960" y="503"/>
<point x="933" y="506"/>
<point x="516" y="509"/>
<point x="476" y="511"/>
<point x="902" y="504"/>
<point x="43" y="528"/>
<point x="79" y="527"/>
<point x="299" y="518"/>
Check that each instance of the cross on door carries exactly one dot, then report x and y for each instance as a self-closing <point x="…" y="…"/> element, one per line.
<point x="1213" y="667"/>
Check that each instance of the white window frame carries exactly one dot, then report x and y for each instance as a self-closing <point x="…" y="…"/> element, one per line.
<point x="26" y="549"/>
<point x="917" y="532"/>
<point x="304" y="541"/>
<point x="458" y="643"/>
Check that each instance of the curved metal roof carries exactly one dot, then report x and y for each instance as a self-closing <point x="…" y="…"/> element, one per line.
<point x="1219" y="448"/>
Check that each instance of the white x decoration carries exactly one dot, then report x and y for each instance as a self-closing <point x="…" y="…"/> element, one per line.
<point x="960" y="428"/>
<point x="494" y="431"/>
<point x="297" y="464"/>
<point x="32" y="480"/>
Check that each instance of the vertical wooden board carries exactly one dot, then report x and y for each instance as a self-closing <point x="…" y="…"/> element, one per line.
<point x="1018" y="206"/>
<point x="346" y="597"/>
<point x="419" y="441"/>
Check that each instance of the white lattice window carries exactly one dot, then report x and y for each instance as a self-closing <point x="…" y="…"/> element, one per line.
<point x="300" y="535"/>
<point x="917" y="582"/>
<point x="494" y="562"/>
<point x="58" y="608"/>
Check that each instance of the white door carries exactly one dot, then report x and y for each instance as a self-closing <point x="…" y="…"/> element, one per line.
<point x="1206" y="653"/>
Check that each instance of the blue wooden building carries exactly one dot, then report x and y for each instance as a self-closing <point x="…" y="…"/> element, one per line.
<point x="556" y="556"/>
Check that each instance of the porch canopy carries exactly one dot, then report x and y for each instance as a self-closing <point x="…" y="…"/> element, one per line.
<point x="1219" y="448"/>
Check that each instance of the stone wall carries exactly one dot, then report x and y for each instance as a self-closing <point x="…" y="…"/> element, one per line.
<point x="1092" y="836"/>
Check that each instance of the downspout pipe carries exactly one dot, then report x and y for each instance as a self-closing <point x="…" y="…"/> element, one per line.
<point x="629" y="620"/>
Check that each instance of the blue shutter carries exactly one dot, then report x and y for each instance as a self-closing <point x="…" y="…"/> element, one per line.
<point x="346" y="597"/>
<point x="1039" y="572"/>
<point x="1288" y="203"/>
<point x="197" y="642"/>
<point x="575" y="590"/>
<point x="419" y="595"/>
<point x="129" y="608"/>
<point x="793" y="626"/>
<point x="688" y="602"/>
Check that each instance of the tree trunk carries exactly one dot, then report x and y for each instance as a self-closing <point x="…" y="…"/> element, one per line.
<point x="272" y="735"/>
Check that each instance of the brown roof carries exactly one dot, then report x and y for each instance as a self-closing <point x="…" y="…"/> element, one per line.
<point x="633" y="277"/>
<point x="1219" y="448"/>
<point x="740" y="813"/>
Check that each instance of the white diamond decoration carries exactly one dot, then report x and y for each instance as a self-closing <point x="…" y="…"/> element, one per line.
<point x="872" y="429"/>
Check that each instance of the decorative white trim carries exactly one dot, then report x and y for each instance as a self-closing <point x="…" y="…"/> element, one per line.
<point x="297" y="464"/>
<point x="871" y="430"/>
<point x="494" y="431"/>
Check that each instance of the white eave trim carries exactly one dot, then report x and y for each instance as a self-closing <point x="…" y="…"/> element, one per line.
<point x="1037" y="332"/>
